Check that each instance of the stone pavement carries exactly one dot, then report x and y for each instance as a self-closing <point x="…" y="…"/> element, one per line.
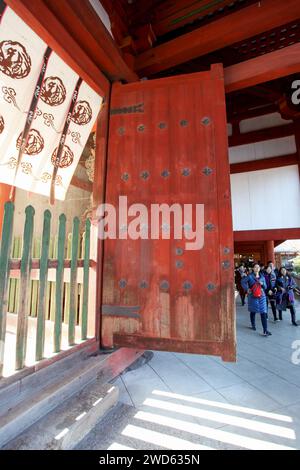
<point x="185" y="401"/>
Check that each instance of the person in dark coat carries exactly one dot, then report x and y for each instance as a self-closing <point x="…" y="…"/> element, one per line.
<point x="270" y="278"/>
<point x="255" y="285"/>
<point x="285" y="294"/>
<point x="273" y="267"/>
<point x="239" y="274"/>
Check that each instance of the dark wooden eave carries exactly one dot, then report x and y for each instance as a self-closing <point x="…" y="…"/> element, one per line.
<point x="243" y="24"/>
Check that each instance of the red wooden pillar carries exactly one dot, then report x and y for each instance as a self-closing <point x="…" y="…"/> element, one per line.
<point x="269" y="251"/>
<point x="99" y="198"/>
<point x="4" y="196"/>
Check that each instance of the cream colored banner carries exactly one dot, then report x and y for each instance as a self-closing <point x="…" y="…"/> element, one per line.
<point x="21" y="59"/>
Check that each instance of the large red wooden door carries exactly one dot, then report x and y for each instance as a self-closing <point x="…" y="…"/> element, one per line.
<point x="168" y="144"/>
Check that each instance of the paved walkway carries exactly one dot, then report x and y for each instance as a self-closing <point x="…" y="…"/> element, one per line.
<point x="185" y="401"/>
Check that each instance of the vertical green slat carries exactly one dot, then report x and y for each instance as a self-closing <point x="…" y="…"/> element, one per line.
<point x="40" y="331"/>
<point x="35" y="284"/>
<point x="6" y="241"/>
<point x="47" y="312"/>
<point x="67" y="284"/>
<point x="73" y="299"/>
<point x="86" y="270"/>
<point x="18" y="255"/>
<point x="59" y="281"/>
<point x="80" y="286"/>
<point x="53" y="285"/>
<point x="24" y="289"/>
<point x="12" y="282"/>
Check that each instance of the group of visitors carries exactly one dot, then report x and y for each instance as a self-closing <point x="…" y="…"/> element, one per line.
<point x="265" y="285"/>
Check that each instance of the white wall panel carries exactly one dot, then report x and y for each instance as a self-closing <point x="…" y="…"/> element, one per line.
<point x="262" y="122"/>
<point x="266" y="199"/>
<point x="260" y="150"/>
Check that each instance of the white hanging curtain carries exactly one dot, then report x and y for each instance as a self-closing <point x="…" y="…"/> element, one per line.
<point x="24" y="74"/>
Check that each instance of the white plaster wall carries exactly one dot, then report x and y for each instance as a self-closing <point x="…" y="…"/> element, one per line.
<point x="266" y="199"/>
<point x="262" y="122"/>
<point x="260" y="150"/>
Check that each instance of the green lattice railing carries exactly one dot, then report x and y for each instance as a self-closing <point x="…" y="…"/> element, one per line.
<point x="39" y="278"/>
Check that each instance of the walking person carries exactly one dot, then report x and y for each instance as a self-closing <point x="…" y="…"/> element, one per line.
<point x="255" y="285"/>
<point x="239" y="274"/>
<point x="285" y="294"/>
<point x="270" y="278"/>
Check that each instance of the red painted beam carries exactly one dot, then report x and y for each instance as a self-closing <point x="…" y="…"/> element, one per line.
<point x="260" y="235"/>
<point x="285" y="61"/>
<point x="242" y="247"/>
<point x="83" y="23"/>
<point x="243" y="24"/>
<point x="264" y="164"/>
<point x="173" y="15"/>
<point x="261" y="135"/>
<point x="238" y="115"/>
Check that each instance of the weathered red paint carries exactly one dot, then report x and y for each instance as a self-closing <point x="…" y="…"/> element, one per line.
<point x="198" y="320"/>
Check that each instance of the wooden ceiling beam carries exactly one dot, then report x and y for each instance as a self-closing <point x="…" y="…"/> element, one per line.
<point x="262" y="135"/>
<point x="83" y="23"/>
<point x="239" y="115"/>
<point x="173" y="15"/>
<point x="264" y="164"/>
<point x="262" y="69"/>
<point x="243" y="24"/>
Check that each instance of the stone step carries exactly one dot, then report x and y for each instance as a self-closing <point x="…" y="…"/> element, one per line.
<point x="26" y="401"/>
<point x="35" y="404"/>
<point x="27" y="384"/>
<point x="65" y="426"/>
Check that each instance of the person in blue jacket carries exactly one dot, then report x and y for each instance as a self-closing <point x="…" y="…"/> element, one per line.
<point x="270" y="278"/>
<point x="285" y="294"/>
<point x="255" y="285"/>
